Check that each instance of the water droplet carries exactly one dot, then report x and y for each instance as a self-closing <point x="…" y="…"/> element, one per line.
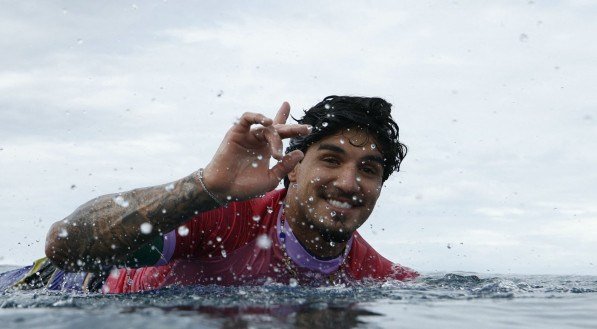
<point x="270" y="210"/>
<point x="327" y="106"/>
<point x="119" y="200"/>
<point x="321" y="219"/>
<point x="229" y="197"/>
<point x="254" y="164"/>
<point x="372" y="146"/>
<point x="354" y="198"/>
<point x="224" y="254"/>
<point x="333" y="214"/>
<point x="256" y="218"/>
<point x="324" y="124"/>
<point x="146" y="228"/>
<point x="264" y="242"/>
<point x="341" y="141"/>
<point x="292" y="282"/>
<point x="164" y="211"/>
<point x="310" y="199"/>
<point x="358" y="179"/>
<point x="219" y="239"/>
<point x="169" y="187"/>
<point x="183" y="230"/>
<point x="63" y="233"/>
<point x="114" y="273"/>
<point x="332" y="243"/>
<point x="259" y="157"/>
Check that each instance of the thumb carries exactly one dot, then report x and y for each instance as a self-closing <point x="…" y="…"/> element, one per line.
<point x="284" y="166"/>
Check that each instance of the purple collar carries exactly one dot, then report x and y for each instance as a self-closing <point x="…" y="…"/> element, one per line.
<point x="302" y="257"/>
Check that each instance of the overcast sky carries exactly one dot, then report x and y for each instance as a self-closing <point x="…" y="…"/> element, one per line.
<point x="497" y="102"/>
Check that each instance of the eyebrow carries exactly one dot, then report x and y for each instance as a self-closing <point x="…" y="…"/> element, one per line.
<point x="337" y="149"/>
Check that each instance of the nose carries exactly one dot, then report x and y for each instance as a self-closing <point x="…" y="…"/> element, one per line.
<point x="348" y="180"/>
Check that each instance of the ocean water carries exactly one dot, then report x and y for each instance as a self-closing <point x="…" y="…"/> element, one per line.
<point x="437" y="300"/>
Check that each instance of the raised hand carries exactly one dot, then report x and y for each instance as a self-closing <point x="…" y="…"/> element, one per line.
<point x="240" y="168"/>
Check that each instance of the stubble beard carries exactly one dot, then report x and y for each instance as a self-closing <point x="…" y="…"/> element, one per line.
<point x="330" y="234"/>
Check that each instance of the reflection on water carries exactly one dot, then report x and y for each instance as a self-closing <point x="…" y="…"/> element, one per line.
<point x="311" y="316"/>
<point x="434" y="299"/>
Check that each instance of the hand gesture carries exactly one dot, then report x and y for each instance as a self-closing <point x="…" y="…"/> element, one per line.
<point x="240" y="168"/>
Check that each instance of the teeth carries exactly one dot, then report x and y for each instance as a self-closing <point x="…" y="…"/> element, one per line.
<point x="339" y="204"/>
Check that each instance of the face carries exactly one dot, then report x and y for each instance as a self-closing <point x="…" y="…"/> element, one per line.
<point x="335" y="187"/>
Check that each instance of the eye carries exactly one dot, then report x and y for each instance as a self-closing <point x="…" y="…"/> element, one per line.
<point x="331" y="160"/>
<point x="369" y="169"/>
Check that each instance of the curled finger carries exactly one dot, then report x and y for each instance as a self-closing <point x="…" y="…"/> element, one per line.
<point x="249" y="118"/>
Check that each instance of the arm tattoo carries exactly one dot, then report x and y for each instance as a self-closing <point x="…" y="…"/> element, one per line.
<point x="107" y="229"/>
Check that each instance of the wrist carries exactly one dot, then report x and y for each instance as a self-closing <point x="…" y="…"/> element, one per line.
<point x="199" y="177"/>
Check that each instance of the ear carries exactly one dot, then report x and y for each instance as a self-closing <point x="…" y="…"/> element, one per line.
<point x="293" y="173"/>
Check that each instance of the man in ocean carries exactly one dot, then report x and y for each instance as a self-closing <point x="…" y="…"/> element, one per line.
<point x="225" y="224"/>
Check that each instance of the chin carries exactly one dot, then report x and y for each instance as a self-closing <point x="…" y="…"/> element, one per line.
<point x="334" y="235"/>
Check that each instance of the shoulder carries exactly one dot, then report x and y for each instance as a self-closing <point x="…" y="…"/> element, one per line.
<point x="272" y="199"/>
<point x="365" y="262"/>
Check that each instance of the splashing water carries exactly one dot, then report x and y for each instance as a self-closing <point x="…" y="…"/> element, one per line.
<point x="63" y="233"/>
<point x="264" y="242"/>
<point x="183" y="230"/>
<point x="119" y="200"/>
<point x="146" y="228"/>
<point x="455" y="300"/>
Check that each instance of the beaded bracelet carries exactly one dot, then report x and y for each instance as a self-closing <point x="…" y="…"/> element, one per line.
<point x="199" y="175"/>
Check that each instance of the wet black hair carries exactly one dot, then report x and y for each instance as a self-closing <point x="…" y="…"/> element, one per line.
<point x="337" y="113"/>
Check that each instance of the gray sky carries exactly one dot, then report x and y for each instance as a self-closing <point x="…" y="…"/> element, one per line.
<point x="496" y="101"/>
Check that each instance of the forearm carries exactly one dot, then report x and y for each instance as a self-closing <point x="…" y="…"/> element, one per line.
<point x="107" y="229"/>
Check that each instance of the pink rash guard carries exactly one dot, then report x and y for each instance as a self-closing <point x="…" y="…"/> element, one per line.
<point x="241" y="245"/>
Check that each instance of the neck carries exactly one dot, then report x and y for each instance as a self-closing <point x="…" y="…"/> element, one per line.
<point x="312" y="240"/>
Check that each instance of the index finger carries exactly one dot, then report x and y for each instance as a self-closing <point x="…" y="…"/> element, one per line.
<point x="282" y="114"/>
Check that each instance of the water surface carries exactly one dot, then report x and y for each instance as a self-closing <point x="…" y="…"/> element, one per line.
<point x="453" y="300"/>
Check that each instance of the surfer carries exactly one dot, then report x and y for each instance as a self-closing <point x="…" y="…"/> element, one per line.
<point x="225" y="223"/>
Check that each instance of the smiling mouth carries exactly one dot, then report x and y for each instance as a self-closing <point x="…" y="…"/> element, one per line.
<point x="339" y="204"/>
